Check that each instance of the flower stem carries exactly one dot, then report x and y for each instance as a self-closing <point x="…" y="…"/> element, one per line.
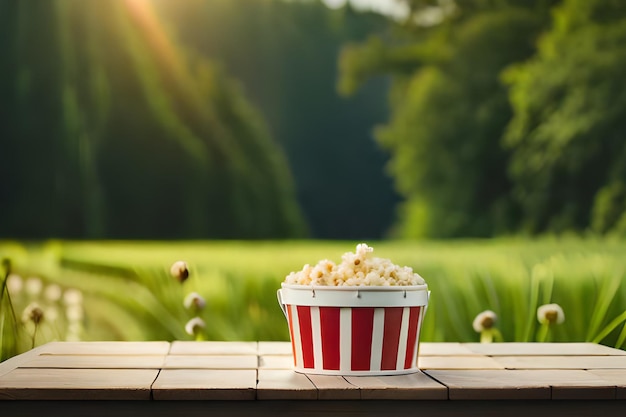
<point x="34" y="335"/>
<point x="544" y="332"/>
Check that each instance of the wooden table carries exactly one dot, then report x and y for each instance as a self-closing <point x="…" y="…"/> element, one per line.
<point x="254" y="378"/>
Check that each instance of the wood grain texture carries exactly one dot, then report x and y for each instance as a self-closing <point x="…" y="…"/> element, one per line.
<point x="415" y="386"/>
<point x="220" y="371"/>
<point x="275" y="362"/>
<point x="275" y="348"/>
<point x="77" y="384"/>
<point x="445" y="349"/>
<point x="205" y="384"/>
<point x="616" y="377"/>
<point x="16" y="361"/>
<point x="458" y="362"/>
<point x="332" y="387"/>
<point x="213" y="348"/>
<point x="562" y="362"/>
<point x="542" y="349"/>
<point x="210" y="362"/>
<point x="96" y="361"/>
<point x="106" y="348"/>
<point x="278" y="384"/>
<point x="491" y="385"/>
<point x="523" y="384"/>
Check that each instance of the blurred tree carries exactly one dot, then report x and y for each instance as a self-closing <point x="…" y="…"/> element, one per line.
<point x="110" y="130"/>
<point x="568" y="133"/>
<point x="285" y="55"/>
<point x="450" y="109"/>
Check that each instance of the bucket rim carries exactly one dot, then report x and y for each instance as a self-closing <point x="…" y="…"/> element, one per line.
<point x="420" y="287"/>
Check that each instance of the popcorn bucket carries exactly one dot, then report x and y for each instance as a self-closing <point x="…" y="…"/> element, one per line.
<point x="354" y="330"/>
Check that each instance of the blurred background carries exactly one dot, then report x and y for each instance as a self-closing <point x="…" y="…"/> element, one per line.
<point x="134" y="133"/>
<point x="271" y="119"/>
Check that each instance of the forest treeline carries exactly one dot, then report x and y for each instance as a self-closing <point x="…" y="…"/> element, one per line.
<point x="286" y="119"/>
<point x="186" y="119"/>
<point x="507" y="116"/>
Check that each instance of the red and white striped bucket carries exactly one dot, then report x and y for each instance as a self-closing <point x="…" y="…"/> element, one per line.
<point x="354" y="330"/>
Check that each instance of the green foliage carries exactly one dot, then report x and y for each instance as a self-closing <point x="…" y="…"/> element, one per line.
<point x="507" y="116"/>
<point x="112" y="130"/>
<point x="569" y="159"/>
<point x="284" y="54"/>
<point x="449" y="113"/>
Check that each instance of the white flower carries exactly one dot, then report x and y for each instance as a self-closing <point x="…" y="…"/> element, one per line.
<point x="52" y="292"/>
<point x="14" y="283"/>
<point x="195" y="300"/>
<point x="33" y="286"/>
<point x="180" y="271"/>
<point x="33" y="313"/>
<point x="550" y="314"/>
<point x="484" y="321"/>
<point x="74" y="313"/>
<point x="72" y="296"/>
<point x="194" y="326"/>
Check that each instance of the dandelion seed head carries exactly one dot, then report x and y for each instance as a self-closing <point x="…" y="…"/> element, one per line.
<point x="194" y="326"/>
<point x="180" y="271"/>
<point x="194" y="300"/>
<point x="485" y="320"/>
<point x="550" y="314"/>
<point x="33" y="313"/>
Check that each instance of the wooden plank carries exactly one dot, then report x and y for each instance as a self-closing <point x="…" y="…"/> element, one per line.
<point x="16" y="361"/>
<point x="491" y="384"/>
<point x="523" y="384"/>
<point x="275" y="348"/>
<point x="96" y="362"/>
<point x="616" y="377"/>
<point x="280" y="384"/>
<point x="445" y="349"/>
<point x="458" y="362"/>
<point x="542" y="349"/>
<point x="275" y="362"/>
<point x="331" y="387"/>
<point x="415" y="386"/>
<point x="205" y="384"/>
<point x="106" y="348"/>
<point x="77" y="384"/>
<point x="562" y="362"/>
<point x="213" y="348"/>
<point x="211" y="362"/>
<point x="579" y="385"/>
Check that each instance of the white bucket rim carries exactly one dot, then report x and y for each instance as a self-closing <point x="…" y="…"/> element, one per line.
<point x="421" y="287"/>
<point x="322" y="296"/>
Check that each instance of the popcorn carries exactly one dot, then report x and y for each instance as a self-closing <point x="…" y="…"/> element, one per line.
<point x="356" y="269"/>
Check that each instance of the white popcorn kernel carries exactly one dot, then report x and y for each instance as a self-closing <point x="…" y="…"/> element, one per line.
<point x="356" y="269"/>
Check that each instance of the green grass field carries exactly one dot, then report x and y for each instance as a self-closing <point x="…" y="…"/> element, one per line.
<point x="128" y="293"/>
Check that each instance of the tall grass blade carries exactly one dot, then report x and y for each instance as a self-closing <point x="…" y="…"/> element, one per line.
<point x="608" y="291"/>
<point x="609" y="328"/>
